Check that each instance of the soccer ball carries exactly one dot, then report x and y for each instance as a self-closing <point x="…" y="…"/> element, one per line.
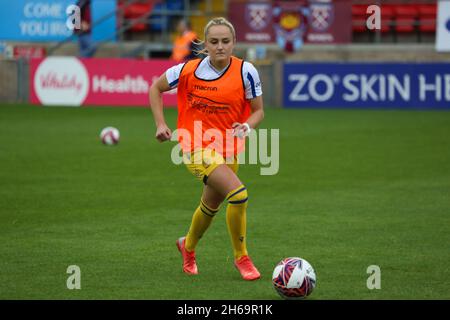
<point x="294" y="278"/>
<point x="110" y="136"/>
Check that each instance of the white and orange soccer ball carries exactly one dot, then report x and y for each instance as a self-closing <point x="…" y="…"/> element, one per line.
<point x="110" y="136"/>
<point x="294" y="278"/>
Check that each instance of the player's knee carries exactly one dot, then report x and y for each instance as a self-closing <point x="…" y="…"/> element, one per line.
<point x="207" y="209"/>
<point x="238" y="196"/>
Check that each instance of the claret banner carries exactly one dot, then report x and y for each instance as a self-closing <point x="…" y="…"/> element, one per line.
<point x="315" y="21"/>
<point x="69" y="81"/>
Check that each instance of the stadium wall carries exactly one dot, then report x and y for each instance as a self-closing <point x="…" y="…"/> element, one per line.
<point x="15" y="74"/>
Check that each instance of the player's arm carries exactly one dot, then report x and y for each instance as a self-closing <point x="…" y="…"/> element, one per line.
<point x="257" y="115"/>
<point x="253" y="93"/>
<point x="161" y="85"/>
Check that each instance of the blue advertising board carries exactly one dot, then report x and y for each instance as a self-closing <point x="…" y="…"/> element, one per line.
<point x="103" y="12"/>
<point x="366" y="85"/>
<point x="45" y="20"/>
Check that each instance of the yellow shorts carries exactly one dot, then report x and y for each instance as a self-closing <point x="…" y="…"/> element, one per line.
<point x="204" y="161"/>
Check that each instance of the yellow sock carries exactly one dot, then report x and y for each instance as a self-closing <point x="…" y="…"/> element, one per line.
<point x="237" y="220"/>
<point x="201" y="220"/>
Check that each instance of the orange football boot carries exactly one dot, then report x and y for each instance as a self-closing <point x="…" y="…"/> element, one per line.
<point x="247" y="268"/>
<point x="189" y="264"/>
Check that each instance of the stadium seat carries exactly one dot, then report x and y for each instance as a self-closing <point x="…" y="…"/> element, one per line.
<point x="158" y="22"/>
<point x="359" y="9"/>
<point x="427" y="18"/>
<point x="427" y="24"/>
<point x="177" y="5"/>
<point x="405" y="18"/>
<point x="359" y="17"/>
<point x="427" y="9"/>
<point x="138" y="10"/>
<point x="387" y="16"/>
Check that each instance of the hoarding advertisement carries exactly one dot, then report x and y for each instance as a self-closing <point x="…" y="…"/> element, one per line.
<point x="367" y="85"/>
<point x="69" y="81"/>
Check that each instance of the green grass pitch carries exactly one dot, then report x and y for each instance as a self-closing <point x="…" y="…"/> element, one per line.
<point x="355" y="188"/>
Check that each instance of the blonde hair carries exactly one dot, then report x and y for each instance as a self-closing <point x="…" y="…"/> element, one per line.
<point x="219" y="21"/>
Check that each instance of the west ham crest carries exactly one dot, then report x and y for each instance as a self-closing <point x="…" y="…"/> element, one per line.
<point x="258" y="15"/>
<point x="322" y="16"/>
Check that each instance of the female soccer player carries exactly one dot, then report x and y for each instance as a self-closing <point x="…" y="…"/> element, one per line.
<point x="219" y="102"/>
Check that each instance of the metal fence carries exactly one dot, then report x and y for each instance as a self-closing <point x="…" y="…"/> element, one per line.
<point x="14" y="81"/>
<point x="268" y="71"/>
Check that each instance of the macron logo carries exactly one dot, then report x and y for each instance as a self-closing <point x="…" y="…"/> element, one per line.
<point x="205" y="88"/>
<point x="127" y="84"/>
